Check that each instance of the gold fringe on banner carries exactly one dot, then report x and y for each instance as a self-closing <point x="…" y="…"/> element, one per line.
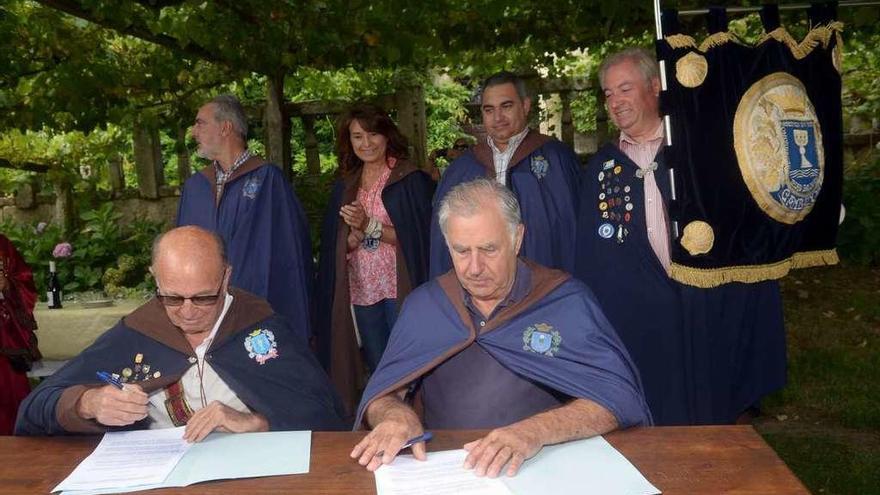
<point x="706" y="278"/>
<point x="816" y="36"/>
<point x="781" y="35"/>
<point x="677" y="41"/>
<point x="717" y="39"/>
<point x="815" y="258"/>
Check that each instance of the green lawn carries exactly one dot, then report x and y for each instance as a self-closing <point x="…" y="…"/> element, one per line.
<point x="826" y="423"/>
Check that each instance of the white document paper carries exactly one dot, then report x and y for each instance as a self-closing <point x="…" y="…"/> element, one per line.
<point x="579" y="467"/>
<point x="442" y="474"/>
<point x="230" y="456"/>
<point x="129" y="458"/>
<point x="583" y="466"/>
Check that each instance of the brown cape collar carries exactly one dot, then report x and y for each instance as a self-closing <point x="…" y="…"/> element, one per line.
<point x="529" y="144"/>
<point x="152" y="321"/>
<point x="249" y="165"/>
<point x="544" y="280"/>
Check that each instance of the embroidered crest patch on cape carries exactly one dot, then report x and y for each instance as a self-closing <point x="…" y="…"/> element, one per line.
<point x="261" y="345"/>
<point x="251" y="188"/>
<point x="541" y="338"/>
<point x="540" y="166"/>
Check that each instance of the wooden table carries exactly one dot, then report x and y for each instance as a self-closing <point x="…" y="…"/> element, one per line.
<point x="677" y="460"/>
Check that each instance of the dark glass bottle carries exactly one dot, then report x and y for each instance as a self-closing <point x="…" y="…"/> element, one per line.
<point x="53" y="289"/>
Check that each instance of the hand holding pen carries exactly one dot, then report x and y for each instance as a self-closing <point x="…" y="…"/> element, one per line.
<point x="115" y="404"/>
<point x="380" y="445"/>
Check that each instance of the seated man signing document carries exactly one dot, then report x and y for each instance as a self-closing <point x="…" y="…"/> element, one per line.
<point x="499" y="343"/>
<point x="197" y="354"/>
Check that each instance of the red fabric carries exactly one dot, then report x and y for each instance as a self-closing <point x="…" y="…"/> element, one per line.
<point x="16" y="332"/>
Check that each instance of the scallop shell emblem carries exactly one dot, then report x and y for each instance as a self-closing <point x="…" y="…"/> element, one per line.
<point x="691" y="70"/>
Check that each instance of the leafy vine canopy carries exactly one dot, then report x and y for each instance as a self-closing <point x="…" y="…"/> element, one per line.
<point x="78" y="64"/>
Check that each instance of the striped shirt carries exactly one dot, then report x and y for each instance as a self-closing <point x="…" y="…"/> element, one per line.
<point x="643" y="155"/>
<point x="502" y="158"/>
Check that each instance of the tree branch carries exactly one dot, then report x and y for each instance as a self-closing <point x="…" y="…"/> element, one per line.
<point x="138" y="31"/>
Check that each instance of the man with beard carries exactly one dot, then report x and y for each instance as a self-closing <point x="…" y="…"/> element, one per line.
<point x="247" y="201"/>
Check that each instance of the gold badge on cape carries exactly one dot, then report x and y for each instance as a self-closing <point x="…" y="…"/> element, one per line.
<point x="691" y="70"/>
<point x="698" y="237"/>
<point x="779" y="147"/>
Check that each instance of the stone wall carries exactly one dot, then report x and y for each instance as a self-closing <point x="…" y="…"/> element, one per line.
<point x="163" y="209"/>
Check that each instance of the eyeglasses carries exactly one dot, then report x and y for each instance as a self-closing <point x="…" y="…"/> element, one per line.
<point x="460" y="147"/>
<point x="207" y="300"/>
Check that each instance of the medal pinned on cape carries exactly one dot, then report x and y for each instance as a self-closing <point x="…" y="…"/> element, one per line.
<point x="137" y="371"/>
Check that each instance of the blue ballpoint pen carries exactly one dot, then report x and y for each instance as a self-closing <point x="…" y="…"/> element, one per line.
<point x="424" y="437"/>
<point x="110" y="380"/>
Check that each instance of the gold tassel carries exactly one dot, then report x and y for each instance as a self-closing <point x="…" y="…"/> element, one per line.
<point x="706" y="278"/>
<point x="677" y="41"/>
<point x="837" y="56"/>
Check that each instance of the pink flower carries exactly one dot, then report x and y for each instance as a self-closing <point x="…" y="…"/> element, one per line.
<point x="62" y="250"/>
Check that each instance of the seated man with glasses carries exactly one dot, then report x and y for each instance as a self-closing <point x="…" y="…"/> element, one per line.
<point x="199" y="354"/>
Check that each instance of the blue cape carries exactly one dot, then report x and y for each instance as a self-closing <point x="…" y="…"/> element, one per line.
<point x="290" y="390"/>
<point x="265" y="231"/>
<point x="705" y="355"/>
<point x="641" y="301"/>
<point x="543" y="175"/>
<point x="407" y="198"/>
<point x="589" y="363"/>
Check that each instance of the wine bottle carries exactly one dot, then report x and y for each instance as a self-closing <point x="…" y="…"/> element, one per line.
<point x="53" y="290"/>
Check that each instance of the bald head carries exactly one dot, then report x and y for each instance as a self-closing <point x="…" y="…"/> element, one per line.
<point x="189" y="262"/>
<point x="190" y="245"/>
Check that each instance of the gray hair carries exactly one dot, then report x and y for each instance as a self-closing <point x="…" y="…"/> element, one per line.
<point x="228" y="108"/>
<point x="645" y="62"/>
<point x="467" y="198"/>
<point x="505" y="77"/>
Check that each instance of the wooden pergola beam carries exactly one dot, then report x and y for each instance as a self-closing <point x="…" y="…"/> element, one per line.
<point x="28" y="166"/>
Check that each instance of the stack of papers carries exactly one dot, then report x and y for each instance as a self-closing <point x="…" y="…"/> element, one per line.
<point x="583" y="466"/>
<point x="147" y="459"/>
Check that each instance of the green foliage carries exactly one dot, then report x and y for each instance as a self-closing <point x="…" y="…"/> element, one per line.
<point x="859" y="235"/>
<point x="446" y="112"/>
<point x="861" y="71"/>
<point x="107" y="255"/>
<point x="68" y="155"/>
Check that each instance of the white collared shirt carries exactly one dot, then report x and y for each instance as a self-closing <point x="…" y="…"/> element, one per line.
<point x="502" y="158"/>
<point x="214" y="386"/>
